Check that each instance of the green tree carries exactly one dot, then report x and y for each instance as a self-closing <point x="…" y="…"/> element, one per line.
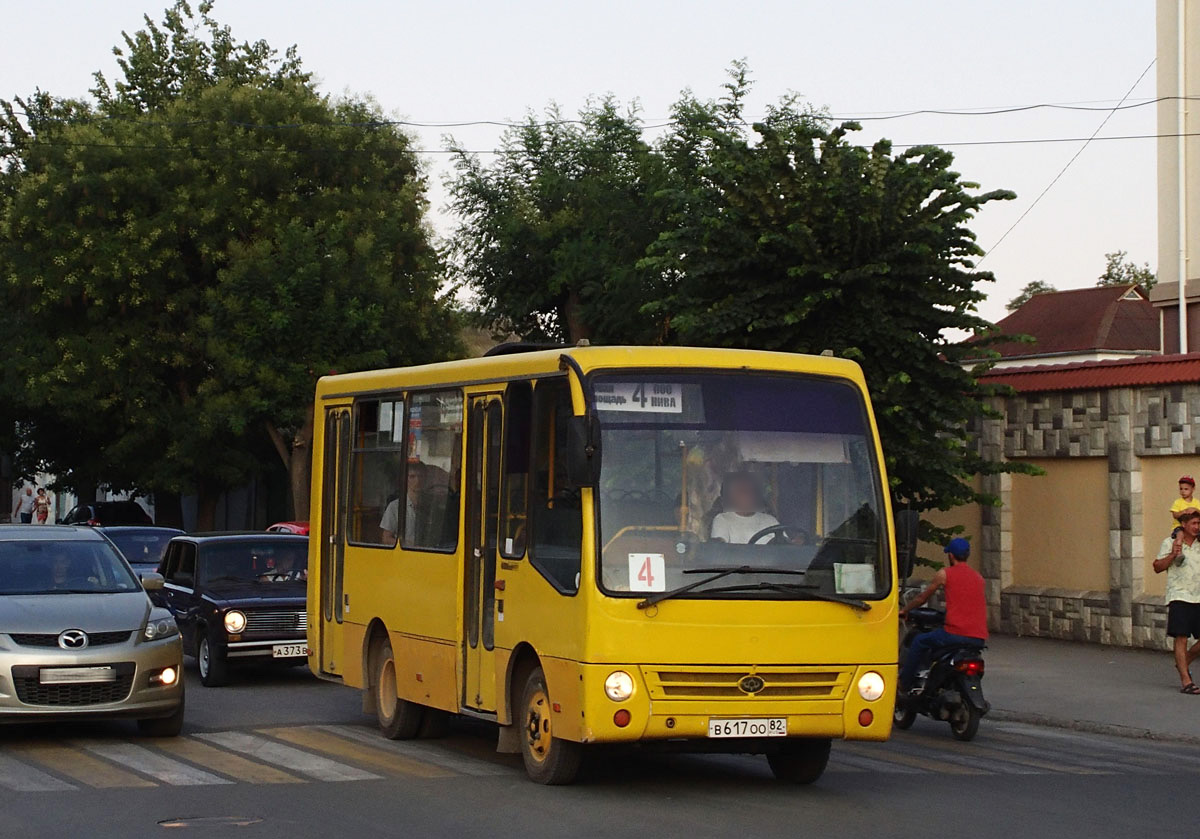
<point x="1119" y="269"/>
<point x="190" y="253"/>
<point x="1031" y="288"/>
<point x="786" y="236"/>
<point x="553" y="230"/>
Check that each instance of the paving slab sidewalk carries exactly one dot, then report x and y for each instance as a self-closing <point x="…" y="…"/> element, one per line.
<point x="1110" y="690"/>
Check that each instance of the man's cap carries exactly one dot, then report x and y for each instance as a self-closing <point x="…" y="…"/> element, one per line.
<point x="959" y="546"/>
<point x="1187" y="479"/>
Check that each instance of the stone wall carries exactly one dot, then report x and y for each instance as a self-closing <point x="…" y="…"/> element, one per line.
<point x="1124" y="425"/>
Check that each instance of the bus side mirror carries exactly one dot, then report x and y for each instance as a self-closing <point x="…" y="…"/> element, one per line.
<point x="908" y="523"/>
<point x="583" y="451"/>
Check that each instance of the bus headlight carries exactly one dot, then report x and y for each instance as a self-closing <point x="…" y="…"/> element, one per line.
<point x="618" y="686"/>
<point x="870" y="686"/>
<point x="235" y="621"/>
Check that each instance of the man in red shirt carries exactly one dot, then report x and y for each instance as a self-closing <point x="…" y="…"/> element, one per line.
<point x="966" y="611"/>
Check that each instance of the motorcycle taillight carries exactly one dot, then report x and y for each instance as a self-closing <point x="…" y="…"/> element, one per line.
<point x="972" y="666"/>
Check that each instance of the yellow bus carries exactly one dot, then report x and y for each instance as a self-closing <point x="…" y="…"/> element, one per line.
<point x="671" y="547"/>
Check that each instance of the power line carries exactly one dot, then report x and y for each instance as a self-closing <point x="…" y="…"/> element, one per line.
<point x="291" y="150"/>
<point x="654" y="125"/>
<point x="1074" y="157"/>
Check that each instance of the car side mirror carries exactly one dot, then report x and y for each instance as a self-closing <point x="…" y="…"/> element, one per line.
<point x="908" y="526"/>
<point x="152" y="581"/>
<point x="583" y="451"/>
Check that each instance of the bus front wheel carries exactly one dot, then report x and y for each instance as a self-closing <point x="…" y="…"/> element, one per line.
<point x="399" y="719"/>
<point x="801" y="761"/>
<point x="548" y="759"/>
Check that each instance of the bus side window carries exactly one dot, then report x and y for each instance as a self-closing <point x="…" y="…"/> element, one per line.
<point x="435" y="430"/>
<point x="514" y="530"/>
<point x="555" y="506"/>
<point x="376" y="472"/>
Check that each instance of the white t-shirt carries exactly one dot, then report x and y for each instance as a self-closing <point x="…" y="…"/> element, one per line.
<point x="391" y="519"/>
<point x="737" y="529"/>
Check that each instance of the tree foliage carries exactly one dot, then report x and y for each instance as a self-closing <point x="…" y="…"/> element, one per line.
<point x="1031" y="288"/>
<point x="1119" y="269"/>
<point x="779" y="235"/>
<point x="553" y="231"/>
<point x="189" y="254"/>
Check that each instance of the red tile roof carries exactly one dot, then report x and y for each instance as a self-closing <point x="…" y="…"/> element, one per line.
<point x="1082" y="320"/>
<point x="1142" y="371"/>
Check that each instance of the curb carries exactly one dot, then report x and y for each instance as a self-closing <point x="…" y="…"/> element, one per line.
<point x="1090" y="727"/>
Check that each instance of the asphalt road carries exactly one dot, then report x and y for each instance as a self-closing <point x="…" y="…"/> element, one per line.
<point x="283" y="755"/>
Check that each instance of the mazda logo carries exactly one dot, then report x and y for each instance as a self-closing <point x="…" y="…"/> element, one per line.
<point x="73" y="639"/>
<point x="751" y="684"/>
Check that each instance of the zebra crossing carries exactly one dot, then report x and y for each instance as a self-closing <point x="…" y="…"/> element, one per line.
<point x="349" y="753"/>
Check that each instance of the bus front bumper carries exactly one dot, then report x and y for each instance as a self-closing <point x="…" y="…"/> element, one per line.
<point x="757" y="705"/>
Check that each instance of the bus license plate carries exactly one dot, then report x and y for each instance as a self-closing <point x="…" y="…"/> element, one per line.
<point x="768" y="727"/>
<point x="288" y="651"/>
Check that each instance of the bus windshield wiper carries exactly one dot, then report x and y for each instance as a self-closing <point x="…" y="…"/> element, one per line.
<point x="801" y="591"/>
<point x="713" y="575"/>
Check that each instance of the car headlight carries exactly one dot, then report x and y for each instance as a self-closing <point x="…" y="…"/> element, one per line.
<point x="870" y="686"/>
<point x="159" y="628"/>
<point x="235" y="621"/>
<point x="618" y="686"/>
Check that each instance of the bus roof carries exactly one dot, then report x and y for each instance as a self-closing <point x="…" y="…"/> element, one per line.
<point x="592" y="358"/>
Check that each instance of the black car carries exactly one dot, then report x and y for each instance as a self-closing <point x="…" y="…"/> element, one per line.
<point x="142" y="546"/>
<point x="107" y="513"/>
<point x="238" y="597"/>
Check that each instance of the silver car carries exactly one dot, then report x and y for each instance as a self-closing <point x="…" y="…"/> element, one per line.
<point x="78" y="635"/>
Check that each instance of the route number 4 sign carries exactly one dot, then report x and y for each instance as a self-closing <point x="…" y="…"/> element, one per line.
<point x="647" y="572"/>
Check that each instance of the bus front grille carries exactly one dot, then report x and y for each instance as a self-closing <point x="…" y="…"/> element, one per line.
<point x="747" y="682"/>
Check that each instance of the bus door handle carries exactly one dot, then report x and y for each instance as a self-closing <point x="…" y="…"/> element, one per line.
<point x="499" y="584"/>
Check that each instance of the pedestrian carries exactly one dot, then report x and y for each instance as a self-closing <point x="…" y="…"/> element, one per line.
<point x="24" y="507"/>
<point x="1185" y="501"/>
<point x="41" y="505"/>
<point x="966" y="611"/>
<point x="1179" y="557"/>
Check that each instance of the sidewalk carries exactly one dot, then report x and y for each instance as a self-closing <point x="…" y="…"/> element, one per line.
<point x="1088" y="687"/>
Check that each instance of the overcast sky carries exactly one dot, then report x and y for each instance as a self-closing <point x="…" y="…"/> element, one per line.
<point x="452" y="61"/>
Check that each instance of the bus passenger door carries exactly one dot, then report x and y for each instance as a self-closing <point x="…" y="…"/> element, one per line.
<point x="484" y="439"/>
<point x="335" y="475"/>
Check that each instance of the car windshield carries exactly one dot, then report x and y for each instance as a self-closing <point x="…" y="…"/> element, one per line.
<point x="142" y="547"/>
<point x="63" y="567"/>
<point x="255" y="561"/>
<point x="774" y="477"/>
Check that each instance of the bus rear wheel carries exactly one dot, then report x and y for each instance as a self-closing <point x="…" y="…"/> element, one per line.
<point x="548" y="759"/>
<point x="398" y="718"/>
<point x="801" y="761"/>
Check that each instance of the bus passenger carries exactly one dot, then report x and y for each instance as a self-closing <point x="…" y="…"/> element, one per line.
<point x="744" y="510"/>
<point x="389" y="525"/>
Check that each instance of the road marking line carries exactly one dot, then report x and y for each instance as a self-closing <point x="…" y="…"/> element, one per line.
<point x="227" y="763"/>
<point x="343" y="749"/>
<point x="1097" y="763"/>
<point x="24" y="778"/>
<point x="294" y="759"/>
<point x="80" y="766"/>
<point x="425" y="752"/>
<point x="141" y="759"/>
<point x="879" y="753"/>
<point x="1153" y="753"/>
<point x="1049" y="765"/>
<point x="871" y="764"/>
<point x="946" y="749"/>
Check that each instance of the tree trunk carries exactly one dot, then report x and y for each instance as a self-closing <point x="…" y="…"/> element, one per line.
<point x="296" y="455"/>
<point x="572" y="320"/>
<point x="207" y="497"/>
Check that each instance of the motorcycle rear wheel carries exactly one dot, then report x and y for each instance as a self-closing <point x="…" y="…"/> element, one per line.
<point x="964" y="722"/>
<point x="903" y="719"/>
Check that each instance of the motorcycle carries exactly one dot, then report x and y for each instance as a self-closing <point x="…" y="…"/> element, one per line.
<point x="951" y="690"/>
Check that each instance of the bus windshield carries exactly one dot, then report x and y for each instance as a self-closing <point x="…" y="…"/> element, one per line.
<point x="774" y="476"/>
